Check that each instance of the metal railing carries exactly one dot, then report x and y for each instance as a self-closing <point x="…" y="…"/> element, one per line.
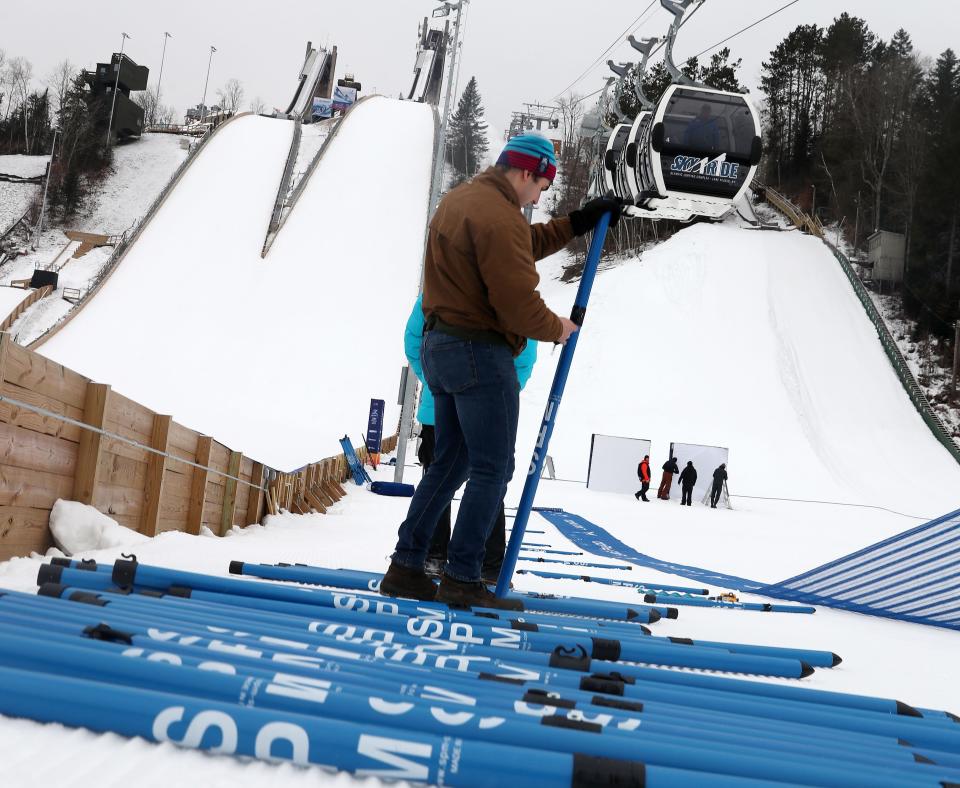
<point x="284" y="188"/>
<point x="290" y="201"/>
<point x="896" y="358"/>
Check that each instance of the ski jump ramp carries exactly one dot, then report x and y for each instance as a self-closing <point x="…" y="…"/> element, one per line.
<point x="754" y="341"/>
<point x="277" y="357"/>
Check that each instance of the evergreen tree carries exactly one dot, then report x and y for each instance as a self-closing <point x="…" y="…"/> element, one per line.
<point x="720" y="72"/>
<point x="467" y="134"/>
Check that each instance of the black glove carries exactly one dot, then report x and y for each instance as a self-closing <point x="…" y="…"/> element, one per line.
<point x="585" y="218"/>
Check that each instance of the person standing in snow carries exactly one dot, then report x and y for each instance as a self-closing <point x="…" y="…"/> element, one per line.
<point x="643" y="472"/>
<point x="719" y="477"/>
<point x="688" y="479"/>
<point x="480" y="301"/>
<point x="496" y="544"/>
<point x="666" y="481"/>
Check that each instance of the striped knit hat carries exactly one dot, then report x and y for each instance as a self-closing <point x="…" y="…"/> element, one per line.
<point x="530" y="152"/>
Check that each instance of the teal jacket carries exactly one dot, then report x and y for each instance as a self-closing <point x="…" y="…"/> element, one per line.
<point x="412" y="338"/>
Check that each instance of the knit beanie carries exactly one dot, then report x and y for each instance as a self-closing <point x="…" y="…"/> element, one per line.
<point x="531" y="152"/>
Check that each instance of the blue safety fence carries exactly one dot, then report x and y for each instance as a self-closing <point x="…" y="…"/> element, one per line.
<point x="913" y="576"/>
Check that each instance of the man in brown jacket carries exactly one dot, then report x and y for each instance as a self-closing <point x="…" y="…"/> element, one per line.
<point x="480" y="301"/>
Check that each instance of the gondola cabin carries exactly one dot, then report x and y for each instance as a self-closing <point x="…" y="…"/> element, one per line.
<point x="699" y="153"/>
<point x="616" y="144"/>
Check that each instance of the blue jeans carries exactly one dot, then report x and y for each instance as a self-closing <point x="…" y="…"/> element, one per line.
<point x="476" y="404"/>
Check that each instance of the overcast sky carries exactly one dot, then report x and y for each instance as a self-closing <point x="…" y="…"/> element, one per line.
<point x="520" y="51"/>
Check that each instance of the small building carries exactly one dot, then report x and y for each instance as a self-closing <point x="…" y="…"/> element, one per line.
<point x="886" y="253"/>
<point x="122" y="74"/>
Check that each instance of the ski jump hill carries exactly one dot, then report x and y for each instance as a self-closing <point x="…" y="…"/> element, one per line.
<point x="720" y="336"/>
<point x="280" y="355"/>
<point x="755" y="341"/>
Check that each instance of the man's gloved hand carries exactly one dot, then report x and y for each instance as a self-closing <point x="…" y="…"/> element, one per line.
<point x="585" y="218"/>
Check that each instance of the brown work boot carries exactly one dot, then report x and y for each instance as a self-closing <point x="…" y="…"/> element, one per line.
<point x="409" y="583"/>
<point x="457" y="593"/>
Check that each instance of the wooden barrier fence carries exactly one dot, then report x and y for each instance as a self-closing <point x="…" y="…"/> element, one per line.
<point x="141" y="468"/>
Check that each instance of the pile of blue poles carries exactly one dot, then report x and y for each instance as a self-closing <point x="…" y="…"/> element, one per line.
<point x="654" y="592"/>
<point x="345" y="679"/>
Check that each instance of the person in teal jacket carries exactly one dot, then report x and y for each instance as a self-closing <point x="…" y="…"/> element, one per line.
<point x="497" y="540"/>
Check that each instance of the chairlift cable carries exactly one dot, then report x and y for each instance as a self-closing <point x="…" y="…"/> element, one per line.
<point x="631" y="27"/>
<point x="754" y="24"/>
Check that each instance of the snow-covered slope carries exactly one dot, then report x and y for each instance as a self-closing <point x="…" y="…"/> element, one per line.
<point x="754" y="341"/>
<point x="140" y="171"/>
<point x="276" y="357"/>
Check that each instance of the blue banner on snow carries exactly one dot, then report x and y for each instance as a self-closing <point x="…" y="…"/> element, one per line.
<point x="597" y="540"/>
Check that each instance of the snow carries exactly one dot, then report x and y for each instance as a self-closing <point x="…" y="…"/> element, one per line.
<point x="78" y="528"/>
<point x="359" y="532"/>
<point x="322" y="294"/>
<point x="15" y="198"/>
<point x="754" y="341"/>
<point x="23" y="166"/>
<point x="10" y="298"/>
<point x="312" y="137"/>
<point x="750" y="340"/>
<point x="140" y="170"/>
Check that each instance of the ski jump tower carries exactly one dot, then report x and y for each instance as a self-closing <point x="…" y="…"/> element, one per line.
<point x="431" y="56"/>
<point x="315" y="81"/>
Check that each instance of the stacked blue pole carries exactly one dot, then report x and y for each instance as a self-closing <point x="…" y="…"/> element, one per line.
<point x="553" y="405"/>
<point x="348" y="687"/>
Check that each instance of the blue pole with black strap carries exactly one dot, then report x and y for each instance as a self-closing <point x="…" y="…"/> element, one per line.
<point x="553" y="405"/>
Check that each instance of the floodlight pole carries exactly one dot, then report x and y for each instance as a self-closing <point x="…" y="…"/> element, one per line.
<point x="46" y="185"/>
<point x="116" y="82"/>
<point x="203" y="101"/>
<point x="436" y="186"/>
<point x="163" y="56"/>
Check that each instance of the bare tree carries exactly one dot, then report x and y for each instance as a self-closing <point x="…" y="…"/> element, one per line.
<point x="21" y="75"/>
<point x="3" y="94"/>
<point x="231" y="95"/>
<point x="155" y="113"/>
<point x="258" y="105"/>
<point x="59" y="81"/>
<point x="148" y="100"/>
<point x="878" y="98"/>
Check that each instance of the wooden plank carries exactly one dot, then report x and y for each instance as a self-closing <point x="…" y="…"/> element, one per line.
<point x="198" y="491"/>
<point x="45" y="377"/>
<point x="34" y="451"/>
<point x="315" y="501"/>
<point x="94" y="410"/>
<point x="32" y="489"/>
<point x="124" y="501"/>
<point x="121" y="471"/>
<point x="230" y="493"/>
<point x="129" y="418"/>
<point x="183" y="441"/>
<point x="156" y="465"/>
<point x="28" y="419"/>
<point x="23" y="530"/>
<point x="255" y="499"/>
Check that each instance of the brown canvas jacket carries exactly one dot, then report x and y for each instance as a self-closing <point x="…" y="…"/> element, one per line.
<point x="480" y="271"/>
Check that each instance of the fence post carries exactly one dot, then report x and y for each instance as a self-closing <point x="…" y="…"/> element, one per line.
<point x="255" y="501"/>
<point x="88" y="455"/>
<point x="198" y="486"/>
<point x="230" y="493"/>
<point x="156" y="465"/>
